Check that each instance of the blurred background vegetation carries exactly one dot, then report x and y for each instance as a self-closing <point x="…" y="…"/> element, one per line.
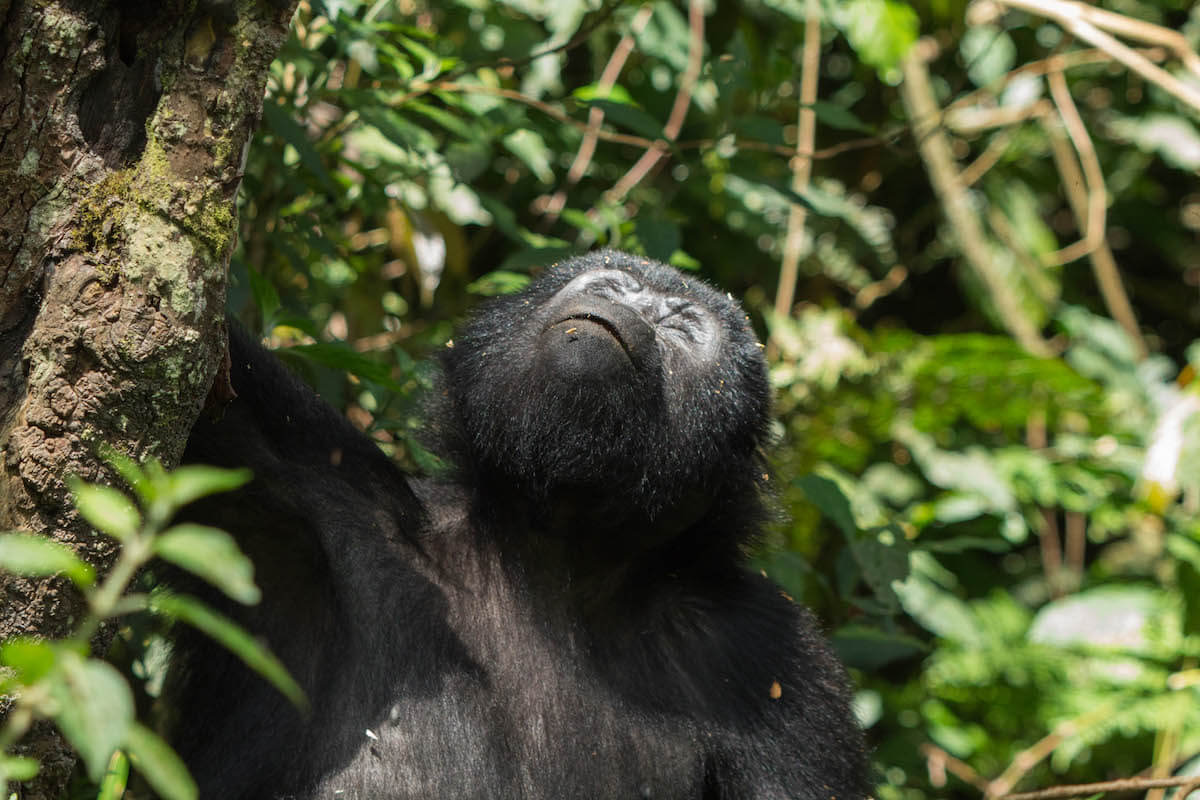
<point x="971" y="234"/>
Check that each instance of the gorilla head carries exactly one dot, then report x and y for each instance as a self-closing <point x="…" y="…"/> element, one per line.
<point x="611" y="380"/>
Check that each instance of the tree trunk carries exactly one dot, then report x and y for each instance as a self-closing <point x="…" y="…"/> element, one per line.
<point x="123" y="125"/>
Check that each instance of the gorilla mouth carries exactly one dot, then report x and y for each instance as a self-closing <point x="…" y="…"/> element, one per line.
<point x="607" y="324"/>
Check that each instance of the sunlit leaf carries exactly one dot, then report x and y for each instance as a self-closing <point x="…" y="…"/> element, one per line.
<point x="211" y="554"/>
<point x="155" y="761"/>
<point x="93" y="709"/>
<point x="116" y="778"/>
<point x="17" y="768"/>
<point x="246" y="647"/>
<point x="106" y="509"/>
<point x="31" y="659"/>
<point x="36" y="557"/>
<point x="191" y="482"/>
<point x="880" y="31"/>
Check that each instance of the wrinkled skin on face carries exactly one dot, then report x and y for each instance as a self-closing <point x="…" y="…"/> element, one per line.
<point x="611" y="375"/>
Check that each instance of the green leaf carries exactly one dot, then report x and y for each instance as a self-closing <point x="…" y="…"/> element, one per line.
<point x="130" y="470"/>
<point x="243" y="645"/>
<point x="93" y="708"/>
<point x="213" y="555"/>
<point x="116" y="778"/>
<point x="159" y="765"/>
<point x="266" y="296"/>
<point x="829" y="499"/>
<point x="593" y="91"/>
<point x="32" y="659"/>
<point x="880" y="31"/>
<point x="498" y="282"/>
<point x="989" y="53"/>
<point x="869" y="648"/>
<point x="17" y="768"/>
<point x="834" y="116"/>
<point x="279" y="120"/>
<point x="882" y="555"/>
<point x="431" y="62"/>
<point x="1113" y="616"/>
<point x="192" y="482"/>
<point x="340" y="356"/>
<point x="1187" y="553"/>
<point x="35" y="556"/>
<point x="106" y="509"/>
<point x="531" y="148"/>
<point x="660" y="237"/>
<point x="631" y="117"/>
<point x="939" y="611"/>
<point x="1173" y="137"/>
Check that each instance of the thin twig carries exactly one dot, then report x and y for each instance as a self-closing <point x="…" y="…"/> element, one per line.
<point x="987" y="159"/>
<point x="683" y="99"/>
<point x="938" y="760"/>
<point x="608" y="79"/>
<point x="924" y="114"/>
<point x="1076" y="19"/>
<point x="1048" y="538"/>
<point x="419" y="88"/>
<point x="793" y="242"/>
<point x="1063" y="61"/>
<point x="1119" y="24"/>
<point x="581" y="35"/>
<point x="973" y="119"/>
<point x="1037" y="752"/>
<point x="1189" y="783"/>
<point x="889" y="283"/>
<point x="512" y="94"/>
<point x="1097" y="206"/>
<point x="1104" y="263"/>
<point x="1051" y="547"/>
<point x="1076" y="542"/>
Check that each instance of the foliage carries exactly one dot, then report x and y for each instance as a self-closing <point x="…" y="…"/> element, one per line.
<point x="85" y="696"/>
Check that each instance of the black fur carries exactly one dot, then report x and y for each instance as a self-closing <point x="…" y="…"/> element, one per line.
<point x="567" y="617"/>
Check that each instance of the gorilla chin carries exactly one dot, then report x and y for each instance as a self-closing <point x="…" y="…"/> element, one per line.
<point x="567" y="613"/>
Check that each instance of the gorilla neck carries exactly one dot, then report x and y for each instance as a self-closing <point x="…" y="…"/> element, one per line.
<point x="601" y="557"/>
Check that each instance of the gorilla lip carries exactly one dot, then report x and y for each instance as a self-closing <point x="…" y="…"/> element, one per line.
<point x="608" y="325"/>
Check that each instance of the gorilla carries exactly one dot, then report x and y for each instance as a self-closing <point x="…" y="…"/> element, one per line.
<point x="566" y="614"/>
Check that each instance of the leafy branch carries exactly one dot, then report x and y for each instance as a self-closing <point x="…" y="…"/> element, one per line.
<point x="88" y="699"/>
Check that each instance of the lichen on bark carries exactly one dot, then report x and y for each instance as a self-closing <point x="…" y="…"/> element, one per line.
<point x="122" y="124"/>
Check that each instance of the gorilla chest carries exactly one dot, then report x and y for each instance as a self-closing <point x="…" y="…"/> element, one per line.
<point x="547" y="738"/>
<point x="517" y="716"/>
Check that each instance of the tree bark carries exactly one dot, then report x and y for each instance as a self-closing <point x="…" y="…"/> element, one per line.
<point x="123" y="125"/>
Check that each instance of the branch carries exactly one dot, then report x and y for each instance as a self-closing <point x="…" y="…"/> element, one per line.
<point x="1058" y="61"/>
<point x="683" y="99"/>
<point x="1190" y="783"/>
<point x="1104" y="264"/>
<point x="1033" y="755"/>
<point x="935" y="150"/>
<point x="1086" y="205"/>
<point x="608" y="79"/>
<point x="938" y="762"/>
<point x="793" y="242"/>
<point x="1085" y="22"/>
<point x="1097" y="201"/>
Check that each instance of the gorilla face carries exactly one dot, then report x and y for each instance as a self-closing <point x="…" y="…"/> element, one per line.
<point x="611" y="378"/>
<point x="606" y="324"/>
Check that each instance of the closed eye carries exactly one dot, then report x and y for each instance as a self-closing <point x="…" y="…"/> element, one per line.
<point x="614" y="286"/>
